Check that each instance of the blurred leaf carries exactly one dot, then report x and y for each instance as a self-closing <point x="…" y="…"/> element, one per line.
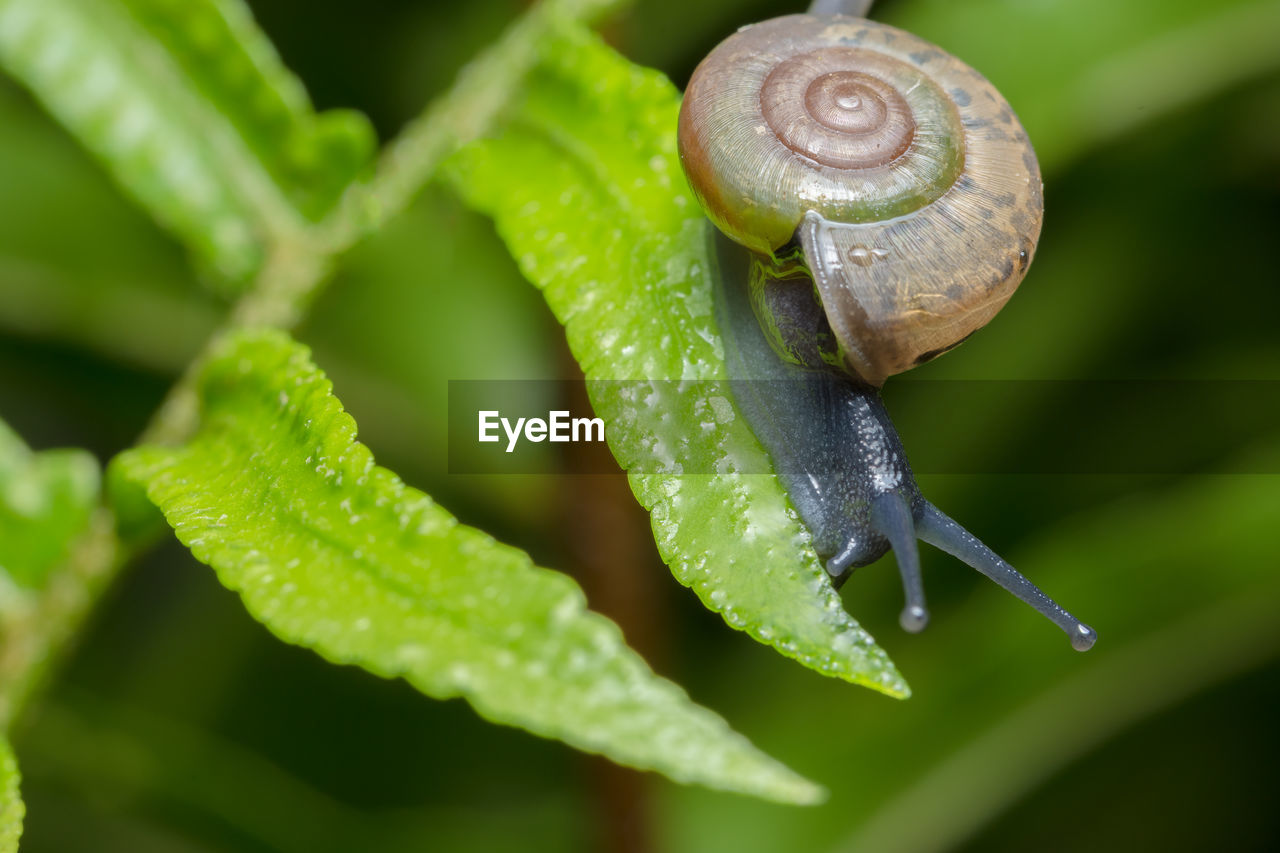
<point x="124" y="273"/>
<point x="585" y="184"/>
<point x="186" y="777"/>
<point x="651" y="40"/>
<point x="1081" y="72"/>
<point x="45" y="502"/>
<point x="1180" y="584"/>
<point x="191" y="109"/>
<point x="334" y="553"/>
<point x="11" y="808"/>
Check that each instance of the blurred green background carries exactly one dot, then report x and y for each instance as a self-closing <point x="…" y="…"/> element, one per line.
<point x="180" y="724"/>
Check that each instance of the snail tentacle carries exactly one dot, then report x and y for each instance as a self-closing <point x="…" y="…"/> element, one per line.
<point x="891" y="518"/>
<point x="934" y="527"/>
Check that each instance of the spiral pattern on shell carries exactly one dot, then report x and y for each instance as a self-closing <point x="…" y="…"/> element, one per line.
<point x="847" y="119"/>
<point x="901" y="170"/>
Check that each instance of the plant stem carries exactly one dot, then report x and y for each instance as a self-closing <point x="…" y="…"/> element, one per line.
<point x="34" y="634"/>
<point x="467" y="111"/>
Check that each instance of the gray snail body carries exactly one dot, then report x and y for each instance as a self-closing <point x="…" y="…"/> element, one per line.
<point x="889" y="202"/>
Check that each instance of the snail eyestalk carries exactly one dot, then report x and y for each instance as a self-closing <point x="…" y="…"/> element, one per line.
<point x="940" y="531"/>
<point x="891" y="518"/>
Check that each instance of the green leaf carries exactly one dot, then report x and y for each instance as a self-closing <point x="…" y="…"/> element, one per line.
<point x="188" y="105"/>
<point x="45" y="502"/>
<point x="334" y="553"/>
<point x="125" y="273"/>
<point x="585" y="184"/>
<point x="11" y="808"/>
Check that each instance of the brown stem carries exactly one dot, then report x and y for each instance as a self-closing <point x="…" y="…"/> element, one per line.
<point x="611" y="553"/>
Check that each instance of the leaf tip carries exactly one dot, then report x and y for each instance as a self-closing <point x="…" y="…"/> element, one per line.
<point x="805" y="793"/>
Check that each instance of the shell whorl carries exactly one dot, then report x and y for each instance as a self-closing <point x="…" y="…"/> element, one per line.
<point x="817" y="107"/>
<point x="918" y="165"/>
<point x="853" y="133"/>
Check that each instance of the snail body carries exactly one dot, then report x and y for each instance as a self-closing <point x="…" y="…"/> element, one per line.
<point x="889" y="203"/>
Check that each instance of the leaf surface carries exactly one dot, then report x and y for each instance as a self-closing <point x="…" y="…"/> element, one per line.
<point x="585" y="185"/>
<point x="334" y="553"/>
<point x="190" y="108"/>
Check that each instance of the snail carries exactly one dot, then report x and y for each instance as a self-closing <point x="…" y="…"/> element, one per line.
<point x="889" y="203"/>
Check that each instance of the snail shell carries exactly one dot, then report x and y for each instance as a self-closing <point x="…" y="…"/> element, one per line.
<point x="900" y="172"/>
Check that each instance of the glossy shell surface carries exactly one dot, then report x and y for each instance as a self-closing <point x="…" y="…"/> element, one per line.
<point x="917" y="189"/>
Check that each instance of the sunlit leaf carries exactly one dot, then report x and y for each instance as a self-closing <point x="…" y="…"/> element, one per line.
<point x="11" y="807"/>
<point x="332" y="552"/>
<point x="586" y="187"/>
<point x="188" y="105"/>
<point x="45" y="502"/>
